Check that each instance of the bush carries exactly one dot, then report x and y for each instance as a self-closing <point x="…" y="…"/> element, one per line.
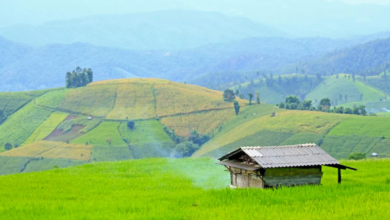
<point x="185" y="149"/>
<point x="131" y="124"/>
<point x="16" y="145"/>
<point x="357" y="156"/>
<point x="8" y="146"/>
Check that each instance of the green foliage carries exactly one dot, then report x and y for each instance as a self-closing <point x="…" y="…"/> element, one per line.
<point x="325" y="103"/>
<point x="130" y="124"/>
<point x="198" y="139"/>
<point x="228" y="95"/>
<point x="356" y="156"/>
<point x="78" y="77"/>
<point x="236" y="107"/>
<point x="8" y="146"/>
<point x="184" y="149"/>
<point x="250" y="97"/>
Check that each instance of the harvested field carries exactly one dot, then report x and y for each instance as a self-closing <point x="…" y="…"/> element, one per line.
<point x="50" y="149"/>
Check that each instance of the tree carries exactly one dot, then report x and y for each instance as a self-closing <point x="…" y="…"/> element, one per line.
<point x="340" y="110"/>
<point x="281" y="105"/>
<point x="198" y="139"/>
<point x="68" y="80"/>
<point x="90" y="75"/>
<point x="348" y="111"/>
<point x="228" y="95"/>
<point x="250" y="97"/>
<point x="280" y="80"/>
<point x="78" y="70"/>
<point x="83" y="79"/>
<point x="325" y="103"/>
<point x="75" y="79"/>
<point x="185" y="149"/>
<point x="292" y="99"/>
<point x="236" y="92"/>
<point x="8" y="146"/>
<point x="258" y="98"/>
<point x="131" y="124"/>
<point x="306" y="104"/>
<point x="236" y="107"/>
<point x="356" y="156"/>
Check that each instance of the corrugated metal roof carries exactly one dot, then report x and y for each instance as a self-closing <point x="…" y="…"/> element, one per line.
<point x="240" y="165"/>
<point x="287" y="156"/>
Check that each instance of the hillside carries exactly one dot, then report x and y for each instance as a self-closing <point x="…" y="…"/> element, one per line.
<point x="53" y="125"/>
<point x="189" y="189"/>
<point x="338" y="134"/>
<point x="176" y="29"/>
<point x="205" y="66"/>
<point x="371" y="58"/>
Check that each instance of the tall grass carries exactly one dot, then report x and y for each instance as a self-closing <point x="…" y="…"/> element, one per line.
<point x="189" y="189"/>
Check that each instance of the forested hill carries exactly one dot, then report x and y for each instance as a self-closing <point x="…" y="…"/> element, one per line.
<point x="47" y="65"/>
<point x="371" y="58"/>
<point x="175" y="29"/>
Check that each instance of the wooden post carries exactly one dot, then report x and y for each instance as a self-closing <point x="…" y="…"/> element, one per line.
<point x="339" y="175"/>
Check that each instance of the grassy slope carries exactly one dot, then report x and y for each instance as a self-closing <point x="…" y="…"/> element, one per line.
<point x="278" y="92"/>
<point x="332" y="87"/>
<point x="22" y="124"/>
<point x="295" y="122"/>
<point x="102" y="134"/>
<point x="46" y="127"/>
<point x="165" y="189"/>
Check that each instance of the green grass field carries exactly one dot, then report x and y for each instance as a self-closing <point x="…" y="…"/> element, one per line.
<point x="189" y="189"/>
<point x="106" y="134"/>
<point x="117" y="153"/>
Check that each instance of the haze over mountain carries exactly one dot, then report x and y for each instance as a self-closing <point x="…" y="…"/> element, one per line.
<point x="301" y="18"/>
<point x="153" y="30"/>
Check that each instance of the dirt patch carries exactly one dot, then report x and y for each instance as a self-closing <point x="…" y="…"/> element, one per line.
<point x="58" y="135"/>
<point x="71" y="117"/>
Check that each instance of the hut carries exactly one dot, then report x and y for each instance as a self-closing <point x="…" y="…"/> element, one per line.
<point x="267" y="167"/>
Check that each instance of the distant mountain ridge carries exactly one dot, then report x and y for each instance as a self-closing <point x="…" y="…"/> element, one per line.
<point x="173" y="29"/>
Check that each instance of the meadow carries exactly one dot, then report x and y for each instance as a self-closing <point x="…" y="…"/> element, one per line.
<point x="105" y="134"/>
<point x="189" y="189"/>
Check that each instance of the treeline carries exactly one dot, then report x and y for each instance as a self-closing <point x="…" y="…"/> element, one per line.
<point x="79" y="77"/>
<point x="325" y="105"/>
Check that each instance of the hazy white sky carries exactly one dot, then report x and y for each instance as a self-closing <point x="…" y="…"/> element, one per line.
<point x="381" y="2"/>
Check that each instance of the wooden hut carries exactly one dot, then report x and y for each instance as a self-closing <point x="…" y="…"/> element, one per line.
<point x="266" y="167"/>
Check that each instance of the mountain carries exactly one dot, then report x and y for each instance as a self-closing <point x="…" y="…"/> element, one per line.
<point x="303" y="18"/>
<point x="172" y="29"/>
<point x="27" y="68"/>
<point x="370" y="58"/>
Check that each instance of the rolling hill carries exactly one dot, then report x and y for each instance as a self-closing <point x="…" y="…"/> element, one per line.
<point x="89" y="124"/>
<point x="66" y="127"/>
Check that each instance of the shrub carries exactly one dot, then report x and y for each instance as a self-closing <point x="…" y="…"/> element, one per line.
<point x="16" y="145"/>
<point x="229" y="95"/>
<point x="131" y="124"/>
<point x="185" y="149"/>
<point x="8" y="146"/>
<point x="357" y="156"/>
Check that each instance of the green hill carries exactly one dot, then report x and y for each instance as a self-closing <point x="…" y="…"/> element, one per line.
<point x="66" y="127"/>
<point x="188" y="189"/>
<point x="89" y="124"/>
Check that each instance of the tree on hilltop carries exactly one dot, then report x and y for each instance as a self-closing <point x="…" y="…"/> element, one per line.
<point x="78" y="77"/>
<point x="8" y="146"/>
<point x="250" y="97"/>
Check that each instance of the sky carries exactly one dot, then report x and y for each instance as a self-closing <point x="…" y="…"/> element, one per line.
<point x="379" y="2"/>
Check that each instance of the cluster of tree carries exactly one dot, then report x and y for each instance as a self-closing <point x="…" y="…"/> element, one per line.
<point x="8" y="146"/>
<point x="131" y="124"/>
<point x="293" y="102"/>
<point x="357" y="156"/>
<point x="188" y="147"/>
<point x="79" y="77"/>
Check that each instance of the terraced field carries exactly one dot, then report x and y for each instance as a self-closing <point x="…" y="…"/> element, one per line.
<point x="105" y="134"/>
<point x="49" y="149"/>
